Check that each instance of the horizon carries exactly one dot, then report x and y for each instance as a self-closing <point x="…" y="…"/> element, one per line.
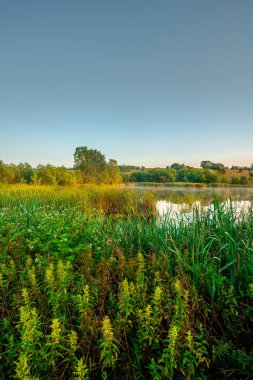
<point x="140" y="82"/>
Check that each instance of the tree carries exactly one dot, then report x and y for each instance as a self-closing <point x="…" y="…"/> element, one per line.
<point x="177" y="166"/>
<point x="207" y="164"/>
<point x="211" y="165"/>
<point x="24" y="173"/>
<point x="220" y="167"/>
<point x="243" y="180"/>
<point x="91" y="163"/>
<point x="235" y="180"/>
<point x="45" y="175"/>
<point x="7" y="173"/>
<point x="113" y="171"/>
<point x="65" y="176"/>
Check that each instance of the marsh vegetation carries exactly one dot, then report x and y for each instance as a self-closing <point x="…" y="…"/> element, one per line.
<point x="92" y="286"/>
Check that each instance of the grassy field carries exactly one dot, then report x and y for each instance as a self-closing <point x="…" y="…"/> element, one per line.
<point x="94" y="286"/>
<point x="237" y="173"/>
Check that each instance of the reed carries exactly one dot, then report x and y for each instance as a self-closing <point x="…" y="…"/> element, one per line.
<point x="94" y="286"/>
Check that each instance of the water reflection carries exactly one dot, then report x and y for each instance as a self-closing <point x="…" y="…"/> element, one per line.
<point x="177" y="201"/>
<point x="174" y="210"/>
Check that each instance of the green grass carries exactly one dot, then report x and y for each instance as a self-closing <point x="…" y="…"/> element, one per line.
<point x="92" y="292"/>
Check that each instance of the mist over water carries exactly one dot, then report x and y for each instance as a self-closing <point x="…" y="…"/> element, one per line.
<point x="182" y="201"/>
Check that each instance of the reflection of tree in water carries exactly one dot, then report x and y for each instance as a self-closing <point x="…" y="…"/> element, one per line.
<point x="204" y="195"/>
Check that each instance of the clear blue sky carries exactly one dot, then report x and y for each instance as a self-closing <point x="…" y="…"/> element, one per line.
<point x="146" y="82"/>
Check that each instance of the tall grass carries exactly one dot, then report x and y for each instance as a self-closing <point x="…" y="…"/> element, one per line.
<point x="108" y="199"/>
<point x="122" y="295"/>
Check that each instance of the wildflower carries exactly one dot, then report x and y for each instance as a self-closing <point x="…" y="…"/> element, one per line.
<point x="141" y="263"/>
<point x="72" y="339"/>
<point x="23" y="367"/>
<point x="189" y="339"/>
<point x="31" y="276"/>
<point x="107" y="329"/>
<point x="81" y="370"/>
<point x="157" y="296"/>
<point x="25" y="296"/>
<point x="56" y="330"/>
<point x="125" y="293"/>
<point x="147" y="313"/>
<point x="50" y="275"/>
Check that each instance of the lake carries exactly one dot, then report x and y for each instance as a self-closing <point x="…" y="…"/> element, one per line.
<point x="183" y="200"/>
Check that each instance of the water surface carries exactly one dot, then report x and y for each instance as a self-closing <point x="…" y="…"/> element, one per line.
<point x="183" y="200"/>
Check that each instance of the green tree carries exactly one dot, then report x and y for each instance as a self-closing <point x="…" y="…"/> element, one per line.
<point x="24" y="173"/>
<point x="7" y="173"/>
<point x="177" y="166"/>
<point x="207" y="164"/>
<point x="46" y="174"/>
<point x="113" y="171"/>
<point x="243" y="180"/>
<point x="91" y="163"/>
<point x="65" y="176"/>
<point x="211" y="165"/>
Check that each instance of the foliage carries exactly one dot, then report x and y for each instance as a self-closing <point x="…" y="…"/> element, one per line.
<point x="211" y="165"/>
<point x="94" y="168"/>
<point x="91" y="167"/>
<point x="91" y="163"/>
<point x="92" y="286"/>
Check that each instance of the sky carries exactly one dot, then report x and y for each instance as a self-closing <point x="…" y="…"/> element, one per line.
<point x="145" y="82"/>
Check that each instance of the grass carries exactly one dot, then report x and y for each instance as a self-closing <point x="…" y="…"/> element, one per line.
<point x="107" y="199"/>
<point x="237" y="173"/>
<point x="95" y="292"/>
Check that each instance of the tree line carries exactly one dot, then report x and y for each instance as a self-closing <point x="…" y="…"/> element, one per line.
<point x="208" y="173"/>
<point x="90" y="166"/>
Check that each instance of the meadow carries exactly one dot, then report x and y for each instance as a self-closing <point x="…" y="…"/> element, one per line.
<point x="95" y="285"/>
